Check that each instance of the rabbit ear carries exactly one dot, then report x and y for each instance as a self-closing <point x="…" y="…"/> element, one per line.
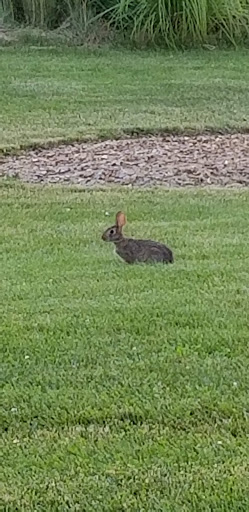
<point x="120" y="220"/>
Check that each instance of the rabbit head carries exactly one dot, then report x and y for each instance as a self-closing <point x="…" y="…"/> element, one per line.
<point x="114" y="233"/>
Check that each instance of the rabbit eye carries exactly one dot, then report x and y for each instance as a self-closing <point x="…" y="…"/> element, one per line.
<point x="111" y="231"/>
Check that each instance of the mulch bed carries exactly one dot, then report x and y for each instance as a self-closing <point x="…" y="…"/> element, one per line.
<point x="170" y="160"/>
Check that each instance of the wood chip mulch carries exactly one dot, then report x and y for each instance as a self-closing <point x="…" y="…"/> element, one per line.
<point x="170" y="160"/>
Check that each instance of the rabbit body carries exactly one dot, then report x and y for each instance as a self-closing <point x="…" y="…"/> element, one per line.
<point x="143" y="251"/>
<point x="136" y="251"/>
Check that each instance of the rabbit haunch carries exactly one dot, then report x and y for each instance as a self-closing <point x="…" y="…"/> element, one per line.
<point x="133" y="250"/>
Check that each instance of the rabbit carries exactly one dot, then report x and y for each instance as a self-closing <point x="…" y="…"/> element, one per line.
<point x="134" y="251"/>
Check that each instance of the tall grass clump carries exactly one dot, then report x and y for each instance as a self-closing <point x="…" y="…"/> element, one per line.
<point x="183" y="22"/>
<point x="51" y="14"/>
<point x="35" y="13"/>
<point x="167" y="22"/>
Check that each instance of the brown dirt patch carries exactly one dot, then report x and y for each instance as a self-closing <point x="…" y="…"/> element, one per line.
<point x="172" y="161"/>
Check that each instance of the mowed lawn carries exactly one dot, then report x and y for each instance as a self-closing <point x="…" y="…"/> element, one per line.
<point x="124" y="387"/>
<point x="51" y="94"/>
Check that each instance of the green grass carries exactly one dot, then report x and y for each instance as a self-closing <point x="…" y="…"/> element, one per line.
<point x="124" y="387"/>
<point x="66" y="94"/>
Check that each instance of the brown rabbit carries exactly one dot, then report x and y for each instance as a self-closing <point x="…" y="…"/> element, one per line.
<point x="133" y="251"/>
